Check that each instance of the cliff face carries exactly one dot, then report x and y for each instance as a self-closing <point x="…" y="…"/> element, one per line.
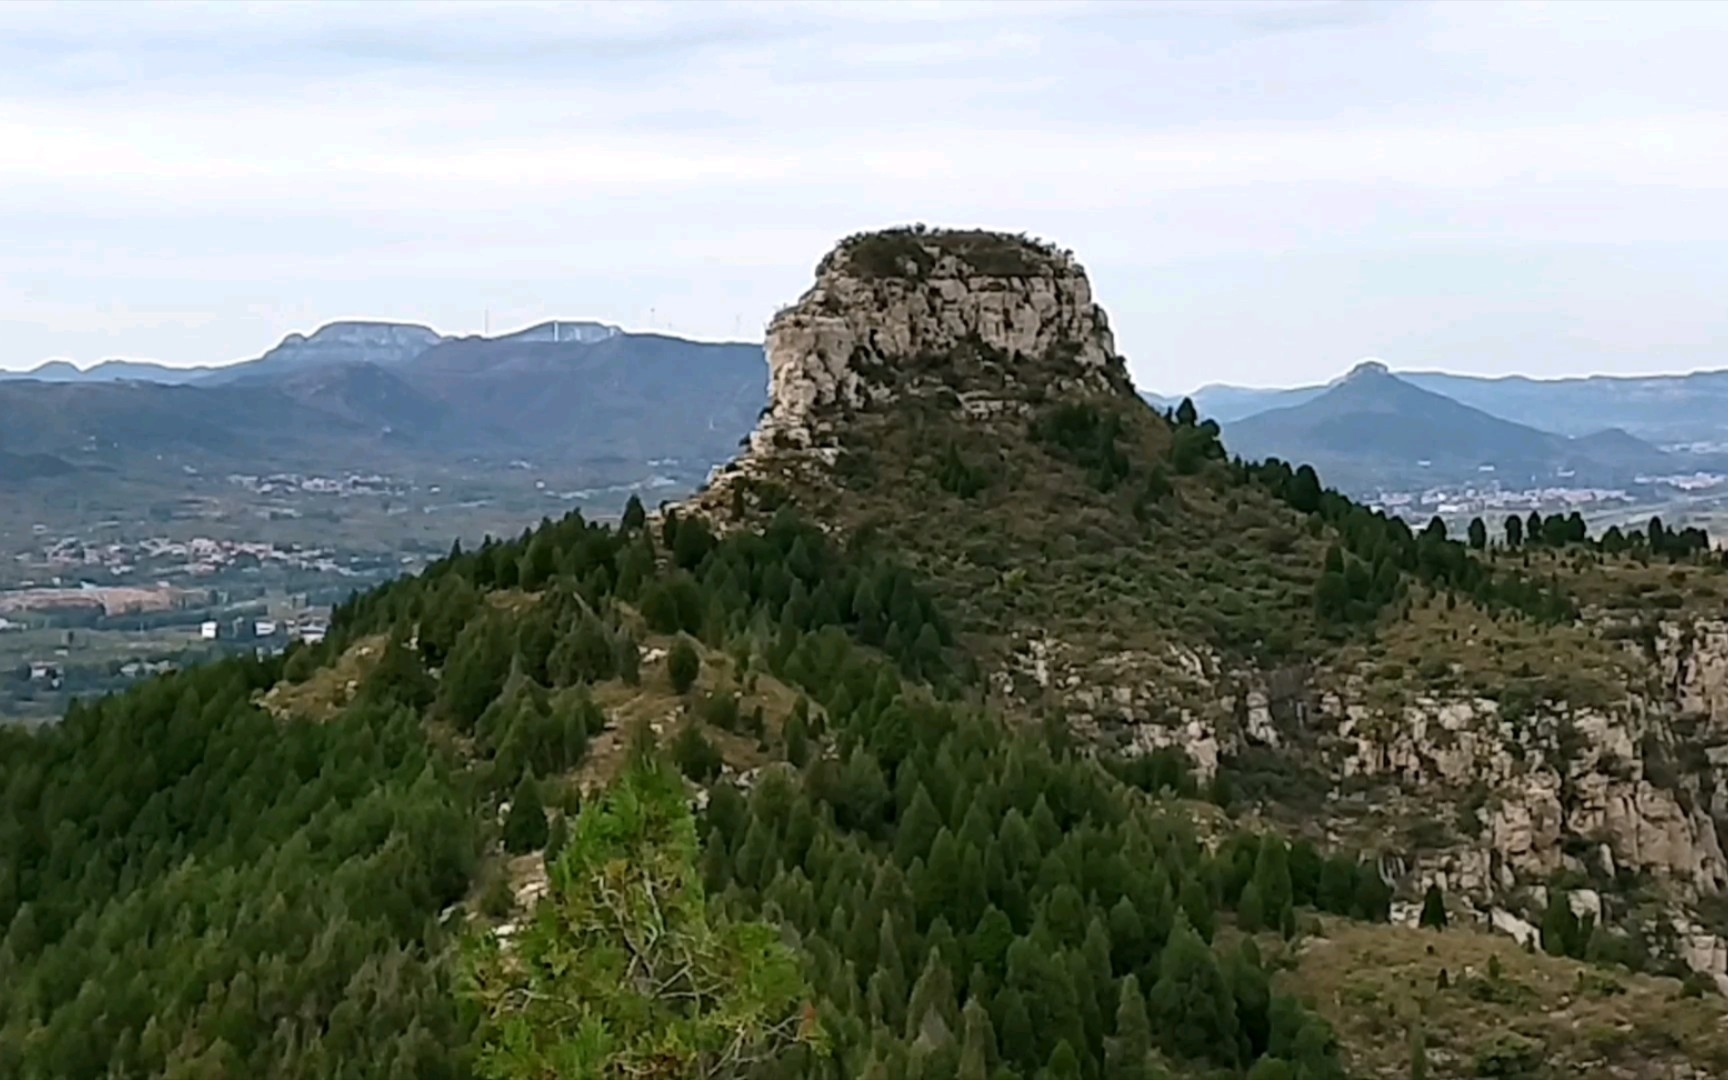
<point x="1622" y="801"/>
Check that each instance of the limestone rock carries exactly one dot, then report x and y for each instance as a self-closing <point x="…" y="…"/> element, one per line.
<point x="850" y="340"/>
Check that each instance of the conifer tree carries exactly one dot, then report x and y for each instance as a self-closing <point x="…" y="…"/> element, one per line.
<point x="797" y="735"/>
<point x="695" y="756"/>
<point x="1337" y="891"/>
<point x="635" y="517"/>
<point x="932" y="1008"/>
<point x="1373" y="899"/>
<point x="978" y="1042"/>
<point x="1433" y="908"/>
<point x="990" y="940"/>
<point x="525" y="826"/>
<point x="1559" y="925"/>
<point x="682" y="665"/>
<point x="1128" y="1053"/>
<point x="626" y="972"/>
<point x="1250" y="911"/>
<point x="557" y="835"/>
<point x="1064" y="1062"/>
<point x="1190" y="1006"/>
<point x="1197" y="907"/>
<point x="1252" y="991"/>
<point x="1272" y="877"/>
<point x="917" y="829"/>
<point x="1018" y="1042"/>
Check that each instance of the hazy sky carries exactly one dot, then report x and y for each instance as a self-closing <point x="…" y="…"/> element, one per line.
<point x="1263" y="192"/>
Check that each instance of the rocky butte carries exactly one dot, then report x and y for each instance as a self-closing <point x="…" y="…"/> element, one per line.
<point x="1514" y="725"/>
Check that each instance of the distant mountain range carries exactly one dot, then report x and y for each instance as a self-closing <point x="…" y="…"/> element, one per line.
<point x="1374" y="428"/>
<point x="1661" y="409"/>
<point x="385" y="394"/>
<point x="361" y="393"/>
<point x="348" y="342"/>
<point x="60" y="371"/>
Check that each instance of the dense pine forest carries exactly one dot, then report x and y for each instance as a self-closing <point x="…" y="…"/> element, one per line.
<point x="196" y="884"/>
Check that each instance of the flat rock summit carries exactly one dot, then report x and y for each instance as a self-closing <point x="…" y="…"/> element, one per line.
<point x="889" y="311"/>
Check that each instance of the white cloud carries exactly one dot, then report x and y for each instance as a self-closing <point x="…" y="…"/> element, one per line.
<point x="281" y="161"/>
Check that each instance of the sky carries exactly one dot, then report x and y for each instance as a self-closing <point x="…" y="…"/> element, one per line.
<point x="1262" y="192"/>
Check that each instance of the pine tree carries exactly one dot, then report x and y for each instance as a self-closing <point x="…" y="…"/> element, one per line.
<point x="525" y="827"/>
<point x="978" y="1043"/>
<point x="931" y="1011"/>
<point x="625" y="945"/>
<point x="1064" y="1063"/>
<point x="1252" y="990"/>
<point x="1304" y="491"/>
<point x="635" y="517"/>
<point x="1433" y="908"/>
<point x="1196" y="904"/>
<point x="557" y="835"/>
<point x="917" y="829"/>
<point x="694" y="755"/>
<point x="1373" y="899"/>
<point x="1190" y="1005"/>
<point x="1128" y="1053"/>
<point x="1250" y="911"/>
<point x="1019" y="1042"/>
<point x="797" y="735"/>
<point x="683" y="665"/>
<point x="987" y="945"/>
<point x="1337" y="890"/>
<point x="1559" y="925"/>
<point x="1272" y="878"/>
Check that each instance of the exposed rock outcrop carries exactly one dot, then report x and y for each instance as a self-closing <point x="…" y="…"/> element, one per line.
<point x="885" y="303"/>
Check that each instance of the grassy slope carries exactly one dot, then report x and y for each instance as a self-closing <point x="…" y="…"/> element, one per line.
<point x="1560" y="1017"/>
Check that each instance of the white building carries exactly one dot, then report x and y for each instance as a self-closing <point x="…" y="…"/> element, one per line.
<point x="207" y="631"/>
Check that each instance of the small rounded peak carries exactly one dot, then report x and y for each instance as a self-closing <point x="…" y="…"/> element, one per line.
<point x="918" y="251"/>
<point x="1369" y="368"/>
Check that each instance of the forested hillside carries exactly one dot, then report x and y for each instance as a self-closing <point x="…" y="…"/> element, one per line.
<point x="776" y="785"/>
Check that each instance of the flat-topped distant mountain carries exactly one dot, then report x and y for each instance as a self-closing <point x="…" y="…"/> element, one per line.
<point x="557" y="392"/>
<point x="383" y="343"/>
<point x="345" y="342"/>
<point x="1373" y="427"/>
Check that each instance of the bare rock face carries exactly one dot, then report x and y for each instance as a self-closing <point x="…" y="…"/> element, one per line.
<point x="885" y="304"/>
